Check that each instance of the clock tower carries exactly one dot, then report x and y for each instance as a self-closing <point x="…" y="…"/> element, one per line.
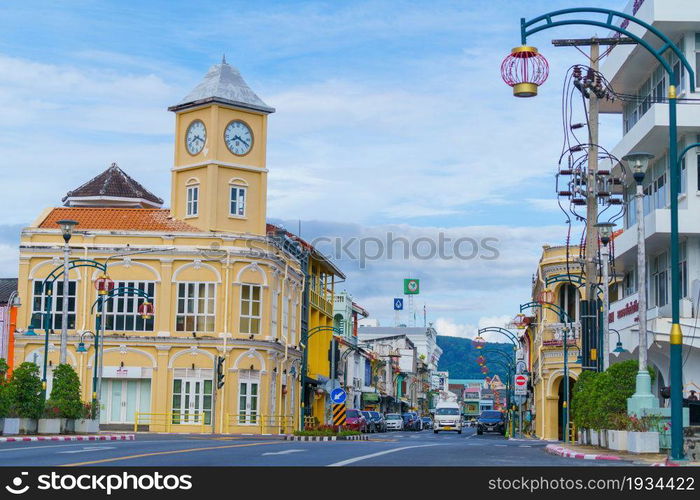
<point x="219" y="178"/>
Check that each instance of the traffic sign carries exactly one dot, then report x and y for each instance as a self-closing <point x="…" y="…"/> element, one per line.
<point x="520" y="385"/>
<point x="339" y="414"/>
<point x="338" y="395"/>
<point x="398" y="304"/>
<point x="411" y="286"/>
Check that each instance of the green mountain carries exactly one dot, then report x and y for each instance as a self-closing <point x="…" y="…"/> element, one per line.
<point x="459" y="358"/>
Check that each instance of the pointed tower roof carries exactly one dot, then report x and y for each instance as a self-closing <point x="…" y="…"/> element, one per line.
<point x="112" y="188"/>
<point x="224" y="84"/>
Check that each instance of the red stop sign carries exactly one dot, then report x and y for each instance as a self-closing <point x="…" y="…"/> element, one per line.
<point x="520" y="380"/>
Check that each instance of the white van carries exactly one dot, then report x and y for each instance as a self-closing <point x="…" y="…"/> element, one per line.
<point x="448" y="417"/>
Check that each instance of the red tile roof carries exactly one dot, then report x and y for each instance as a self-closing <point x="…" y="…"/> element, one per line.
<point x="118" y="219"/>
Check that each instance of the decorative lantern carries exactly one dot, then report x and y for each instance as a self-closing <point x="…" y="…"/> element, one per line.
<point x="525" y="70"/>
<point x="484" y="369"/>
<point x="481" y="360"/>
<point x="521" y="321"/>
<point x="104" y="285"/>
<point x="479" y="342"/>
<point x="146" y="310"/>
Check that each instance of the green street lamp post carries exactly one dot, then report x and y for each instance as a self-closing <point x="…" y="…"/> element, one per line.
<point x="605" y="230"/>
<point x="554" y="19"/>
<point x="568" y="326"/>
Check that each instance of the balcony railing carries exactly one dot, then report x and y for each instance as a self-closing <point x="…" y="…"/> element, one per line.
<point x="553" y="334"/>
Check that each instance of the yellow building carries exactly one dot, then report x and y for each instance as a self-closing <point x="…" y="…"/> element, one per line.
<point x="317" y="321"/>
<point x="221" y="286"/>
<point x="559" y="284"/>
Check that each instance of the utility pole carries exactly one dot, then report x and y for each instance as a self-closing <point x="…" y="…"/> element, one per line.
<point x="593" y="355"/>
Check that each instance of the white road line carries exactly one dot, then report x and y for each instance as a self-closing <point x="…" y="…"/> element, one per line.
<point x="379" y="453"/>
<point x="283" y="452"/>
<point x="88" y="449"/>
<point x="25" y="448"/>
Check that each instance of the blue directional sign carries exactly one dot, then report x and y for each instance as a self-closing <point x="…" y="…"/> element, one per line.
<point x="398" y="304"/>
<point x="338" y="395"/>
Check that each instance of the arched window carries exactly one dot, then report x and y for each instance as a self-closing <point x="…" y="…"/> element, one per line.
<point x="238" y="189"/>
<point x="569" y="300"/>
<point x="192" y="197"/>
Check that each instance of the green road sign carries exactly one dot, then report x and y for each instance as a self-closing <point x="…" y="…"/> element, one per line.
<point x="411" y="286"/>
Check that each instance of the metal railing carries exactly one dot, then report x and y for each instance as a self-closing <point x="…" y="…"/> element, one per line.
<point x="259" y="423"/>
<point x="169" y="419"/>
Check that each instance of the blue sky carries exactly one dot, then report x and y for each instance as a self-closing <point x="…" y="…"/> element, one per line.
<point x="391" y="117"/>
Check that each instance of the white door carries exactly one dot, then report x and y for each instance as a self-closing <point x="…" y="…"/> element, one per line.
<point x="122" y="398"/>
<point x="192" y="400"/>
<point x="248" y="403"/>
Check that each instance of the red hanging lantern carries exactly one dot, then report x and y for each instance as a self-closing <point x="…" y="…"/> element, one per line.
<point x="484" y="369"/>
<point x="478" y="342"/>
<point x="525" y="70"/>
<point x="104" y="285"/>
<point x="146" y="310"/>
<point x="521" y="321"/>
<point x="481" y="360"/>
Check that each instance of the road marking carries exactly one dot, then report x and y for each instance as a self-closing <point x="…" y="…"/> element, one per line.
<point x="524" y="446"/>
<point x="169" y="452"/>
<point x="86" y="449"/>
<point x="379" y="453"/>
<point x="283" y="452"/>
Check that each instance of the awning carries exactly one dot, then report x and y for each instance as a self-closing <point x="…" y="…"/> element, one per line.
<point x="370" y="397"/>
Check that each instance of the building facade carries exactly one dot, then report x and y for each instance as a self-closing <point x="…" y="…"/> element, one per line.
<point x="220" y="285"/>
<point x="556" y="282"/>
<point x="645" y="128"/>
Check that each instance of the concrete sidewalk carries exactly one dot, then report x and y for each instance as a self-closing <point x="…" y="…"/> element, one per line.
<point x="652" y="459"/>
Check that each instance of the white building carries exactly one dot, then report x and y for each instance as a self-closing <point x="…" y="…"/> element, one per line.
<point x="424" y="338"/>
<point x="632" y="70"/>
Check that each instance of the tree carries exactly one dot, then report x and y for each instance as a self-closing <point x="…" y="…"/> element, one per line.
<point x="25" y="392"/>
<point x="65" y="393"/>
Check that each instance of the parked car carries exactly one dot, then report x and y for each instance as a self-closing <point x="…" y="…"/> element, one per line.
<point x="491" y="421"/>
<point x="427" y="423"/>
<point x="371" y="424"/>
<point x="448" y="417"/>
<point x="379" y="421"/>
<point x="394" y="422"/>
<point x="355" y="421"/>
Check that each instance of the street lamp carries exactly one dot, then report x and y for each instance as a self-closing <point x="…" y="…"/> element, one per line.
<point x="618" y="347"/>
<point x="67" y="226"/>
<point x="619" y="22"/>
<point x="605" y="230"/>
<point x="637" y="164"/>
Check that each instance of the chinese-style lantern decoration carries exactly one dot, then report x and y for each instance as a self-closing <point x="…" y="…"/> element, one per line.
<point x="484" y="369"/>
<point x="146" y="310"/>
<point x="525" y="70"/>
<point x="104" y="285"/>
<point x="478" y="342"/>
<point x="520" y="321"/>
<point x="481" y="360"/>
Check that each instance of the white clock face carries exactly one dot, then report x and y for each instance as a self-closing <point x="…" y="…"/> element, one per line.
<point x="196" y="137"/>
<point x="238" y="138"/>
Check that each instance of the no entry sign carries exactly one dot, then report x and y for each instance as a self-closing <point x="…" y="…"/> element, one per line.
<point x="520" y="385"/>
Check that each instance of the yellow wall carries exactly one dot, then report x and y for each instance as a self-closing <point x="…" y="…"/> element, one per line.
<point x="548" y="360"/>
<point x="215" y="167"/>
<point x="158" y="349"/>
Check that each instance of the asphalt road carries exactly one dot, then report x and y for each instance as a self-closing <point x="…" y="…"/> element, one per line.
<point x="389" y="449"/>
